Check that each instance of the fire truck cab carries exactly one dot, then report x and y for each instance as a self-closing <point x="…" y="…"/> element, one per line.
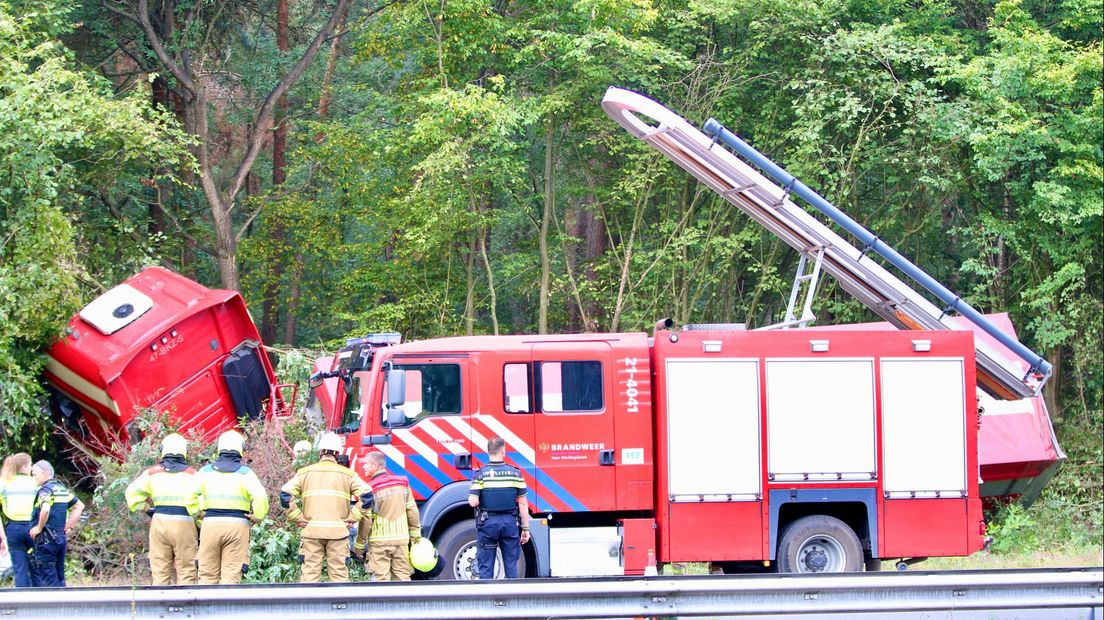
<point x="811" y="451"/>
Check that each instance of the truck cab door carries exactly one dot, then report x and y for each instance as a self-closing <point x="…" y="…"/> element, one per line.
<point x="573" y="420"/>
<point x="433" y="446"/>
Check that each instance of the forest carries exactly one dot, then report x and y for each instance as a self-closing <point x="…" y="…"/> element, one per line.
<point x="444" y="167"/>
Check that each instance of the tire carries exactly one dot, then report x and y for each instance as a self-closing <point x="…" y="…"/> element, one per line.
<point x="457" y="547"/>
<point x="819" y="544"/>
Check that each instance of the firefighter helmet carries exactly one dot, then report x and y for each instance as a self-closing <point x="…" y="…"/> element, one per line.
<point x="231" y="441"/>
<point x="301" y="447"/>
<point x="329" y="441"/>
<point x="174" y="443"/>
<point x="423" y="557"/>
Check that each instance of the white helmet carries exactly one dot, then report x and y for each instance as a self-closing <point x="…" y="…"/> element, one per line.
<point x="174" y="444"/>
<point x="329" y="441"/>
<point x="231" y="441"/>
<point x="301" y="447"/>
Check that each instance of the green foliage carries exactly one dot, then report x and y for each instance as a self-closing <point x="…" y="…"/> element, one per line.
<point x="63" y="134"/>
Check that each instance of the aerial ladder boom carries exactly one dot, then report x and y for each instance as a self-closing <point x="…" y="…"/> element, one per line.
<point x="770" y="204"/>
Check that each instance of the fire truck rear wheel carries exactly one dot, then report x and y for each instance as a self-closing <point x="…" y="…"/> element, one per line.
<point x="819" y="544"/>
<point x="457" y="548"/>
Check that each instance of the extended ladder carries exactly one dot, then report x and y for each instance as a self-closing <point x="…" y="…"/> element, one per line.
<point x="769" y="204"/>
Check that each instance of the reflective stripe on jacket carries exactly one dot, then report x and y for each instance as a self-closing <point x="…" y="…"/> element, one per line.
<point x="394" y="520"/>
<point x="17" y="498"/>
<point x="326" y="495"/>
<point x="240" y="491"/>
<point x="55" y="498"/>
<point x="164" y="489"/>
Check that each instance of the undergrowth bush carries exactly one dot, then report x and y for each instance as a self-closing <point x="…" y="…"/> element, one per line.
<point x="113" y="547"/>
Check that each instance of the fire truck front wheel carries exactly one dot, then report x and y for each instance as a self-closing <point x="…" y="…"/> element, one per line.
<point x="819" y="544"/>
<point x="457" y="549"/>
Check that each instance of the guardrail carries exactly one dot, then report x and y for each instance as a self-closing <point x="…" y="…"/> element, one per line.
<point x="1062" y="593"/>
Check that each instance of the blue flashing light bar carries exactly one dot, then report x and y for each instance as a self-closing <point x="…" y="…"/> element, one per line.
<point x="381" y="339"/>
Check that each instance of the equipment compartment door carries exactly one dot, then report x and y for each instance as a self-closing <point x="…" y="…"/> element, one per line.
<point x="574" y="425"/>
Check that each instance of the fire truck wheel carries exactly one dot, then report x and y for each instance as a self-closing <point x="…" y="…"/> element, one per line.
<point x="457" y="549"/>
<point x="819" y="544"/>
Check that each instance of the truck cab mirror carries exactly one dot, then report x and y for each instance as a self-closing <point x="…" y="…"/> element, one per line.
<point x="396" y="387"/>
<point x="395" y="416"/>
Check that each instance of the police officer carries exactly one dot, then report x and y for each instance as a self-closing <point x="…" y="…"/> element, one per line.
<point x="230" y="496"/>
<point x="57" y="511"/>
<point x="501" y="507"/>
<point x="391" y="526"/>
<point x="325" y="499"/>
<point x="170" y="491"/>
<point x="17" y="499"/>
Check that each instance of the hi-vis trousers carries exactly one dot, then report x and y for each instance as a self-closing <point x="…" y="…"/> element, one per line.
<point x="223" y="550"/>
<point x="316" y="551"/>
<point x="172" y="544"/>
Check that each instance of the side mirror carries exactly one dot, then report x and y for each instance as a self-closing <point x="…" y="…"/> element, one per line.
<point x="396" y="387"/>
<point x="395" y="416"/>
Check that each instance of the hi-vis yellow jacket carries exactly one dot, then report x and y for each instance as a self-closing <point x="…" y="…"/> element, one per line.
<point x="327" y="496"/>
<point x="232" y="494"/>
<point x="173" y="493"/>
<point x="394" y="519"/>
<point x="17" y="498"/>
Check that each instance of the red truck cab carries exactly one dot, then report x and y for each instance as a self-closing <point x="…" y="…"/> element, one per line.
<point x="158" y="341"/>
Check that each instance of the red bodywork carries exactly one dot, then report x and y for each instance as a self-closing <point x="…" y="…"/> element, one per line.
<point x="172" y="358"/>
<point x="1017" y="447"/>
<point x="611" y="465"/>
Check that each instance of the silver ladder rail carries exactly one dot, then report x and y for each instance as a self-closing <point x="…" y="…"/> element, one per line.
<point x="1010" y="378"/>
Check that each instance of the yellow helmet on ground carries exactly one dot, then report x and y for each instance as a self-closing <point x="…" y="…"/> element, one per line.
<point x="423" y="557"/>
<point x="174" y="443"/>
<point x="231" y="441"/>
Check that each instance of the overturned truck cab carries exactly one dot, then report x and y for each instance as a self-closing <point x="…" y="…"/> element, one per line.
<point x="159" y="341"/>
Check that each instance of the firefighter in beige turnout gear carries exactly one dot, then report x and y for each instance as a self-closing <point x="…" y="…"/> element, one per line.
<point x="325" y="499"/>
<point x="230" y="497"/>
<point x="171" y="493"/>
<point x="391" y="526"/>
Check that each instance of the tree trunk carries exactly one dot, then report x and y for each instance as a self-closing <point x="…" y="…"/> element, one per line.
<point x="275" y="264"/>
<point x="469" y="273"/>
<point x="546" y="222"/>
<point x="295" y="291"/>
<point x="483" y="233"/>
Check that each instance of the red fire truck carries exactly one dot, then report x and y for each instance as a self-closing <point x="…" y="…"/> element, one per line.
<point x="816" y="450"/>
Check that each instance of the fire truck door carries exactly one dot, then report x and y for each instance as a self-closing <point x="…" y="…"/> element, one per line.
<point x="573" y="388"/>
<point x="433" y="447"/>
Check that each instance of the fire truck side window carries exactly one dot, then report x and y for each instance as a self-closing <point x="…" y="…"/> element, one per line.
<point x="515" y="388"/>
<point x="570" y="386"/>
<point x="431" y="389"/>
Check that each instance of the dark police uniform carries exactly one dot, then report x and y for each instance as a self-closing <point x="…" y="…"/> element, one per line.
<point x="48" y="564"/>
<point x="498" y="487"/>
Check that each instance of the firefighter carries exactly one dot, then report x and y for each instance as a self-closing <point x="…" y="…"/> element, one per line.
<point x="392" y="525"/>
<point x="57" y="511"/>
<point x="169" y="491"/>
<point x="325" y="499"/>
<point x="17" y="498"/>
<point x="230" y="497"/>
<point x="498" y="494"/>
